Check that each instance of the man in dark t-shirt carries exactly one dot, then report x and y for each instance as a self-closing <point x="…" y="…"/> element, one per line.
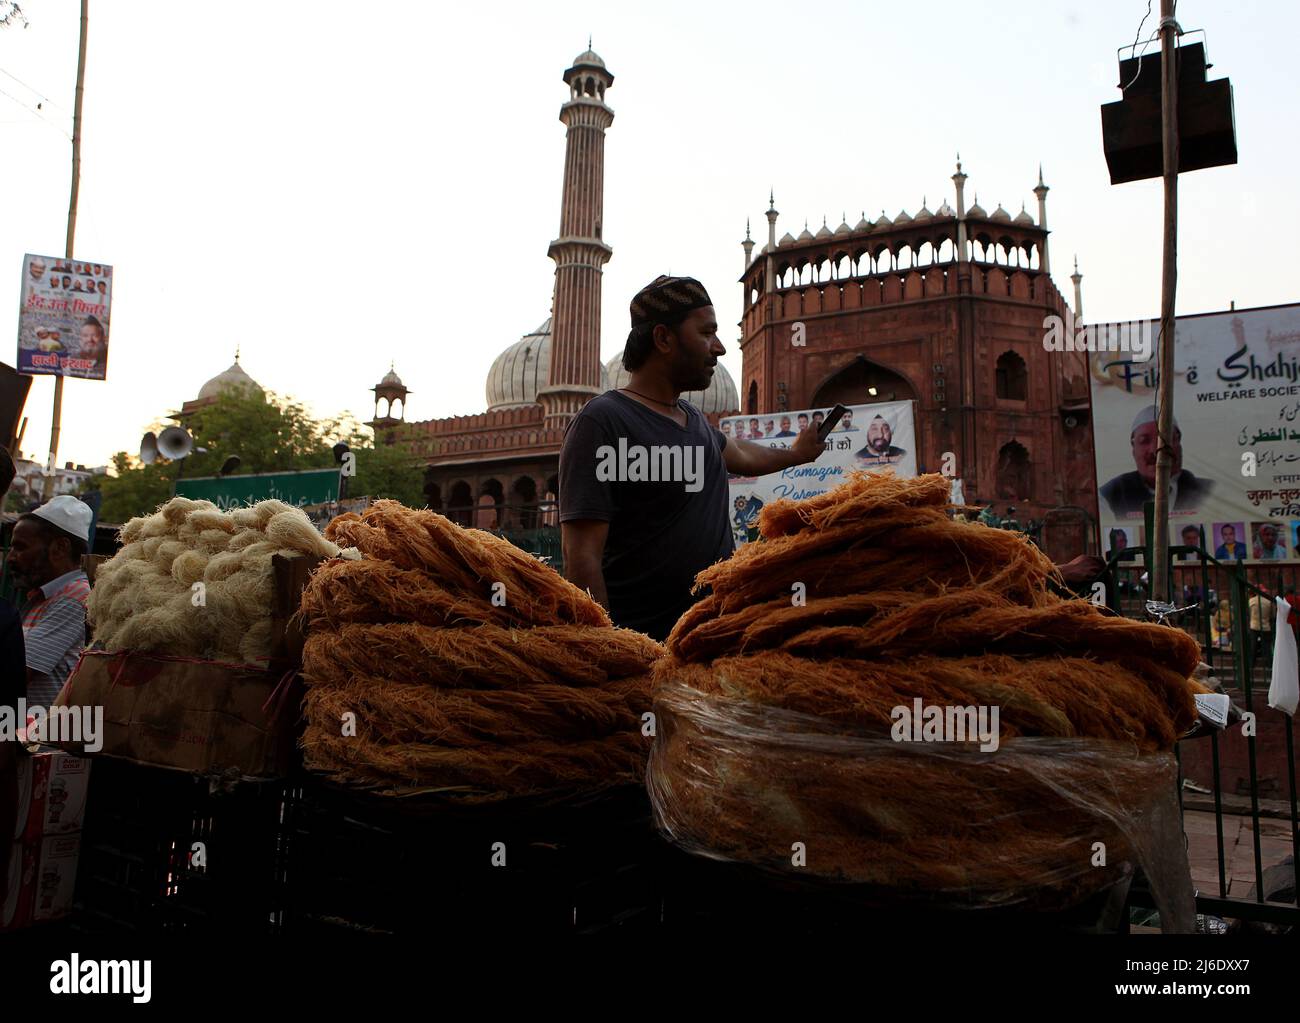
<point x="643" y="476"/>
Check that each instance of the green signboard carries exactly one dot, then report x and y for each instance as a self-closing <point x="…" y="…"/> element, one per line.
<point x="311" y="486"/>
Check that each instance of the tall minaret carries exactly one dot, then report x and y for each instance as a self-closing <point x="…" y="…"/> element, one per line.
<point x="959" y="180"/>
<point x="769" y="281"/>
<point x="579" y="252"/>
<point x="1077" y="278"/>
<point x="748" y="245"/>
<point x="1041" y="191"/>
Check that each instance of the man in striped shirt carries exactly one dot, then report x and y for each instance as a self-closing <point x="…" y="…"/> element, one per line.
<point x="13" y="690"/>
<point x="46" y="553"/>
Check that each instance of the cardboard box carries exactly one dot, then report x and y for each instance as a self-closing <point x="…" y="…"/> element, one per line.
<point x="16" y="912"/>
<point x="55" y="880"/>
<point x="203" y="717"/>
<point x="52" y="790"/>
<point x="42" y="881"/>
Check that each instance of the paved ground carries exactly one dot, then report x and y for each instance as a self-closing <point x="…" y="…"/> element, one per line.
<point x="1238" y="850"/>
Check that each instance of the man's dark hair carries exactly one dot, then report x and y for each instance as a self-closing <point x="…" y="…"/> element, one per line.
<point x="77" y="545"/>
<point x="641" y="340"/>
<point x="7" y="469"/>
<point x="91" y="321"/>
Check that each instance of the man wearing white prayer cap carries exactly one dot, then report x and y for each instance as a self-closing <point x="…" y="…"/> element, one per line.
<point x="45" y="554"/>
<point x="1127" y="492"/>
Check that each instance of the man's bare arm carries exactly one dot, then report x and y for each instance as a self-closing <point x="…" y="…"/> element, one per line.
<point x="746" y="458"/>
<point x="582" y="543"/>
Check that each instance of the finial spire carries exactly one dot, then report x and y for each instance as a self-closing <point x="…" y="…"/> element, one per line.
<point x="236" y="353"/>
<point x="771" y="199"/>
<point x="589" y="40"/>
<point x="1040" y="173"/>
<point x="747" y="229"/>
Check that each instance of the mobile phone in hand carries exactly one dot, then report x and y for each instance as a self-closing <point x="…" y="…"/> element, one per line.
<point x="831" y="421"/>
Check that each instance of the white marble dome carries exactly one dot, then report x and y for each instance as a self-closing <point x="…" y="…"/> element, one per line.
<point x="719" y="396"/>
<point x="232" y="379"/>
<point x="523" y="369"/>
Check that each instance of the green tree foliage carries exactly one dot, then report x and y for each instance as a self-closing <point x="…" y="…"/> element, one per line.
<point x="134" y="490"/>
<point x="389" y="471"/>
<point x="269" y="433"/>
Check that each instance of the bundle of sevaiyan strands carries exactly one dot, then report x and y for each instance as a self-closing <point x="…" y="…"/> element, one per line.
<point x="774" y="719"/>
<point x="469" y="665"/>
<point x="145" y="597"/>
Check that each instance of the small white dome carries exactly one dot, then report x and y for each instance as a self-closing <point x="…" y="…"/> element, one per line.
<point x="945" y="210"/>
<point x="864" y="225"/>
<point x="1024" y="218"/>
<point x="824" y="231"/>
<point x="902" y="218"/>
<point x="805" y="235"/>
<point x="786" y="239"/>
<point x="232" y="379"/>
<point x="719" y="396"/>
<point x="518" y="373"/>
<point x="883" y="222"/>
<point x="588" y="57"/>
<point x="977" y="211"/>
<point x="1001" y="215"/>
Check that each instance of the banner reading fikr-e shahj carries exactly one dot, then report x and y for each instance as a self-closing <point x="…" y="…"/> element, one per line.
<point x="1236" y="443"/>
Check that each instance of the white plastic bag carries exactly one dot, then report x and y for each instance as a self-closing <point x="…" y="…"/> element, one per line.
<point x="1284" y="690"/>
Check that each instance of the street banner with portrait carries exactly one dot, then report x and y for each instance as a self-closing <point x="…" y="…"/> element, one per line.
<point x="872" y="437"/>
<point x="63" y="317"/>
<point x="1236" y="446"/>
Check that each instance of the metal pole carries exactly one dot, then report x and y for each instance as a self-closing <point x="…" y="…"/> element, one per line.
<point x="55" y="425"/>
<point x="1168" y="287"/>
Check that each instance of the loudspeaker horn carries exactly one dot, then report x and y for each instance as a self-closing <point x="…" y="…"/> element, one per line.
<point x="175" y="442"/>
<point x="148" y="448"/>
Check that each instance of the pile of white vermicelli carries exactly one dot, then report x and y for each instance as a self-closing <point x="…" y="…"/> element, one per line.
<point x="147" y="596"/>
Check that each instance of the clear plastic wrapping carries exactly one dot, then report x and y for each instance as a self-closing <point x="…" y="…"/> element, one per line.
<point x="1042" y="824"/>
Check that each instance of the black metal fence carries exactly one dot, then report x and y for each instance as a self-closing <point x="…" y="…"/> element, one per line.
<point x="1214" y="601"/>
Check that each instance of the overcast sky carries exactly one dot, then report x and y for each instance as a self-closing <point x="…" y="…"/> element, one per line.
<point x="331" y="189"/>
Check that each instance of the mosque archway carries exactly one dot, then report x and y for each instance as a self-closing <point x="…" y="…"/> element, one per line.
<point x="862" y="382"/>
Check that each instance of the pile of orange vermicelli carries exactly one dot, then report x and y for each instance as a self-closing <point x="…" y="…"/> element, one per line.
<point x="778" y="698"/>
<point x="448" y="659"/>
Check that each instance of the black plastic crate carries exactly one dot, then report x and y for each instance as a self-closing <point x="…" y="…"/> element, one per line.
<point x="372" y="863"/>
<point x="136" y="871"/>
<point x="702" y="895"/>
